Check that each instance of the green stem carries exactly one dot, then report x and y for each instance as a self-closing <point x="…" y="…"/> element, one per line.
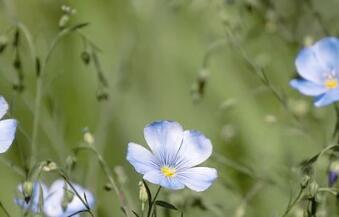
<point x="108" y="173"/>
<point x="151" y="208"/>
<point x="39" y="88"/>
<point x="4" y="210"/>
<point x="294" y="202"/>
<point x="63" y="175"/>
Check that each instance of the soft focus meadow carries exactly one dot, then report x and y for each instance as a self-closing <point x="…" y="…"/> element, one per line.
<point x="84" y="78"/>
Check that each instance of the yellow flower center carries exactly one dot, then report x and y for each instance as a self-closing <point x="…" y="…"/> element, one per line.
<point x="167" y="171"/>
<point x="331" y="83"/>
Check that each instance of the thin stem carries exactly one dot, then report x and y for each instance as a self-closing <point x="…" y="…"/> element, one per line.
<point x="4" y="210"/>
<point x="294" y="202"/>
<point x="39" y="87"/>
<point x="318" y="17"/>
<point x="261" y="74"/>
<point x="36" y="120"/>
<point x="63" y="175"/>
<point x="329" y="190"/>
<point x="151" y="208"/>
<point x="108" y="173"/>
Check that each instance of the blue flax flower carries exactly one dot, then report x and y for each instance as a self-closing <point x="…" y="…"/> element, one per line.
<point x="7" y="127"/>
<point x="59" y="200"/>
<point x="318" y="66"/>
<point x="175" y="153"/>
<point x="62" y="201"/>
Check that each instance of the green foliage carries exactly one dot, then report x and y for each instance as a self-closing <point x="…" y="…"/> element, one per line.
<point x="221" y="67"/>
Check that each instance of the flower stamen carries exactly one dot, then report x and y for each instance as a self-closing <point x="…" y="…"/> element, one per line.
<point x="167" y="171"/>
<point x="331" y="83"/>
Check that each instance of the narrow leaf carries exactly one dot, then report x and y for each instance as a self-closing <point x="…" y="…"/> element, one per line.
<point x="165" y="204"/>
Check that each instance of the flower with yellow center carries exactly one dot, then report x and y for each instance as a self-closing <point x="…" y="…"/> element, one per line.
<point x="174" y="157"/>
<point x="318" y="69"/>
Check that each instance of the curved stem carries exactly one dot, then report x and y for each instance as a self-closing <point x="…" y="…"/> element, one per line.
<point x="39" y="87"/>
<point x="294" y="202"/>
<point x="109" y="175"/>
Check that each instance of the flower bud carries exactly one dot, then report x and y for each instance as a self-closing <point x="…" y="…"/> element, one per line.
<point x="143" y="197"/>
<point x="333" y="173"/>
<point x="305" y="181"/>
<point x="89" y="138"/>
<point x="86" y="58"/>
<point x="67" y="199"/>
<point x="27" y="191"/>
<point x="64" y="20"/>
<point x="71" y="161"/>
<point x="120" y="172"/>
<point x="313" y="188"/>
<point x="308" y="41"/>
<point x="49" y="166"/>
<point x="108" y="187"/>
<point x="3" y="43"/>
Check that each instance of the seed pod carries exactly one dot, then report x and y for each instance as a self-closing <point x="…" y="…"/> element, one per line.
<point x="86" y="57"/>
<point x="64" y="20"/>
<point x="3" y="43"/>
<point x="108" y="187"/>
<point x="27" y="191"/>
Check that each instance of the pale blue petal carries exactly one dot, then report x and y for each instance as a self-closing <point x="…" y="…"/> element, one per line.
<point x="195" y="149"/>
<point x="7" y="134"/>
<point x="307" y="87"/>
<point x="327" y="98"/>
<point x="156" y="177"/>
<point x="164" y="138"/>
<point x="327" y="52"/>
<point x="309" y="67"/>
<point x="3" y="106"/>
<point x="53" y="203"/>
<point x="197" y="178"/>
<point x="141" y="159"/>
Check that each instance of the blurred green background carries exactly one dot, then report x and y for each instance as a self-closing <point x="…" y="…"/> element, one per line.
<point x="154" y="55"/>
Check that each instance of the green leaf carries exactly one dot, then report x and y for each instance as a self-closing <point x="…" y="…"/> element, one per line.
<point x="165" y="205"/>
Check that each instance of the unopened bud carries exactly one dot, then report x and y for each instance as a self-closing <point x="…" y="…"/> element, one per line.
<point x="71" y="161"/>
<point x="50" y="166"/>
<point x="122" y="177"/>
<point x="313" y="188"/>
<point x="143" y="197"/>
<point x="305" y="181"/>
<point x="64" y="20"/>
<point x="270" y="119"/>
<point x="333" y="173"/>
<point x="3" y="43"/>
<point x="108" y="187"/>
<point x="308" y="41"/>
<point x="27" y="190"/>
<point x="89" y="138"/>
<point x="67" y="199"/>
<point x="86" y="58"/>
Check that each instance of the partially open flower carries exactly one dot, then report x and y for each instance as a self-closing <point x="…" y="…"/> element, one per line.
<point x="174" y="157"/>
<point x="333" y="173"/>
